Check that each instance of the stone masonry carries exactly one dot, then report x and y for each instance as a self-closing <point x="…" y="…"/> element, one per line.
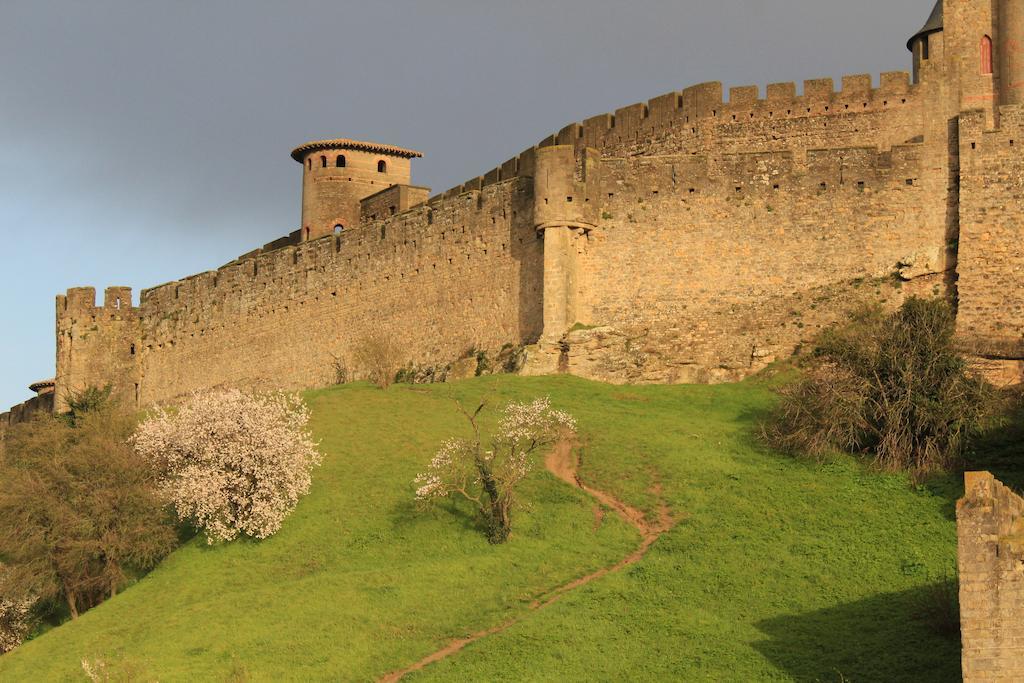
<point x="695" y="237"/>
<point x="990" y="529"/>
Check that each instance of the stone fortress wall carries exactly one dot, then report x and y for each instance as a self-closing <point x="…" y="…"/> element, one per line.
<point x="694" y="237"/>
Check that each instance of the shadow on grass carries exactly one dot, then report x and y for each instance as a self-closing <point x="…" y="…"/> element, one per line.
<point x="408" y="514"/>
<point x="888" y="637"/>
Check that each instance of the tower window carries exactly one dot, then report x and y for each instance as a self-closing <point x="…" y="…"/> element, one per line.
<point x="382" y="166"/>
<point x="132" y="349"/>
<point x="340" y="161"/>
<point x="323" y="162"/>
<point x="309" y="164"/>
<point x="924" y="49"/>
<point x="307" y="233"/>
<point x="986" y="55"/>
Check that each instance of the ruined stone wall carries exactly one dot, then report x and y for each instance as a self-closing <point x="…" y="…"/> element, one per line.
<point x="990" y="547"/>
<point x="991" y="262"/>
<point x="442" y="277"/>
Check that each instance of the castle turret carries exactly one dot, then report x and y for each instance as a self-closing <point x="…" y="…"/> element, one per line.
<point x="97" y="346"/>
<point x="566" y="192"/>
<point x="337" y="174"/>
<point x="974" y="51"/>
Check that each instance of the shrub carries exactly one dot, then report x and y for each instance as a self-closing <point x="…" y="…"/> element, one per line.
<point x="377" y="356"/>
<point x="15" y="616"/>
<point x="79" y="510"/>
<point x="230" y="462"/>
<point x="892" y="387"/>
<point x="89" y="399"/>
<point x="488" y="478"/>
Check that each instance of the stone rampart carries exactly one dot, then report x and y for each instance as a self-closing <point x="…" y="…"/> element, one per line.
<point x="708" y="244"/>
<point x="461" y="272"/>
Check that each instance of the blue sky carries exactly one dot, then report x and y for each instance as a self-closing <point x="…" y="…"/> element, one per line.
<point x="146" y="140"/>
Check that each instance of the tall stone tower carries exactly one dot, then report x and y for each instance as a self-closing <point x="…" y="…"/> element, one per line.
<point x="337" y="174"/>
<point x="974" y="52"/>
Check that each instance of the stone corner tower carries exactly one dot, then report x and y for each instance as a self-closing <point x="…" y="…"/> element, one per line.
<point x="975" y="49"/>
<point x="337" y="174"/>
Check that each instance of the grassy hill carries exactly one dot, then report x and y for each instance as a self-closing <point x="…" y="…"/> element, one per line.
<point x="777" y="569"/>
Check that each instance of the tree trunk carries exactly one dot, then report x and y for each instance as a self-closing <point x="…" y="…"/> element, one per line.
<point x="70" y="595"/>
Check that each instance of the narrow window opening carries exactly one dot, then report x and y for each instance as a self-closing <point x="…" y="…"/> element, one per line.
<point x="307" y="233"/>
<point x="309" y="164"/>
<point x="383" y="232"/>
<point x="392" y="210"/>
<point x="910" y="181"/>
<point x="131" y="349"/>
<point x="925" y="49"/>
<point x="340" y="161"/>
<point x="568" y="200"/>
<point x="382" y="166"/>
<point x="323" y="162"/>
<point x="338" y="228"/>
<point x="986" y="55"/>
<point x="117" y="303"/>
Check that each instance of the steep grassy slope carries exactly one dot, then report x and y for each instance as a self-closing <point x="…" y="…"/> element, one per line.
<point x="778" y="569"/>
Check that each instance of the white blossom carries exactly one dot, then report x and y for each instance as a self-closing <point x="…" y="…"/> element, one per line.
<point x="231" y="462"/>
<point x="464" y="466"/>
<point x="15" y="620"/>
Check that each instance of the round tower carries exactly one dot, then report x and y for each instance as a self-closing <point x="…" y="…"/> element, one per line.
<point x="337" y="174"/>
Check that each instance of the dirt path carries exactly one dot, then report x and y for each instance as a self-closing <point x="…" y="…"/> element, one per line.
<point x="564" y="464"/>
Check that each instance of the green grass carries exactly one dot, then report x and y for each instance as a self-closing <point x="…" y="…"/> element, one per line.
<point x="778" y="569"/>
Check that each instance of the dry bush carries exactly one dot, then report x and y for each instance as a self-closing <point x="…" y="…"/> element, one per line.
<point x="79" y="509"/>
<point x="488" y="477"/>
<point x="230" y="462"/>
<point x="377" y="355"/>
<point x="892" y="387"/>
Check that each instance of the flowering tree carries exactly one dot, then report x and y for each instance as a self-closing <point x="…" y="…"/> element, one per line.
<point x="488" y="477"/>
<point x="15" y="618"/>
<point x="231" y="462"/>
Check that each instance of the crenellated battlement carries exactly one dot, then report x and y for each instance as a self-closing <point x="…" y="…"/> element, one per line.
<point x="81" y="302"/>
<point x="700" y="105"/>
